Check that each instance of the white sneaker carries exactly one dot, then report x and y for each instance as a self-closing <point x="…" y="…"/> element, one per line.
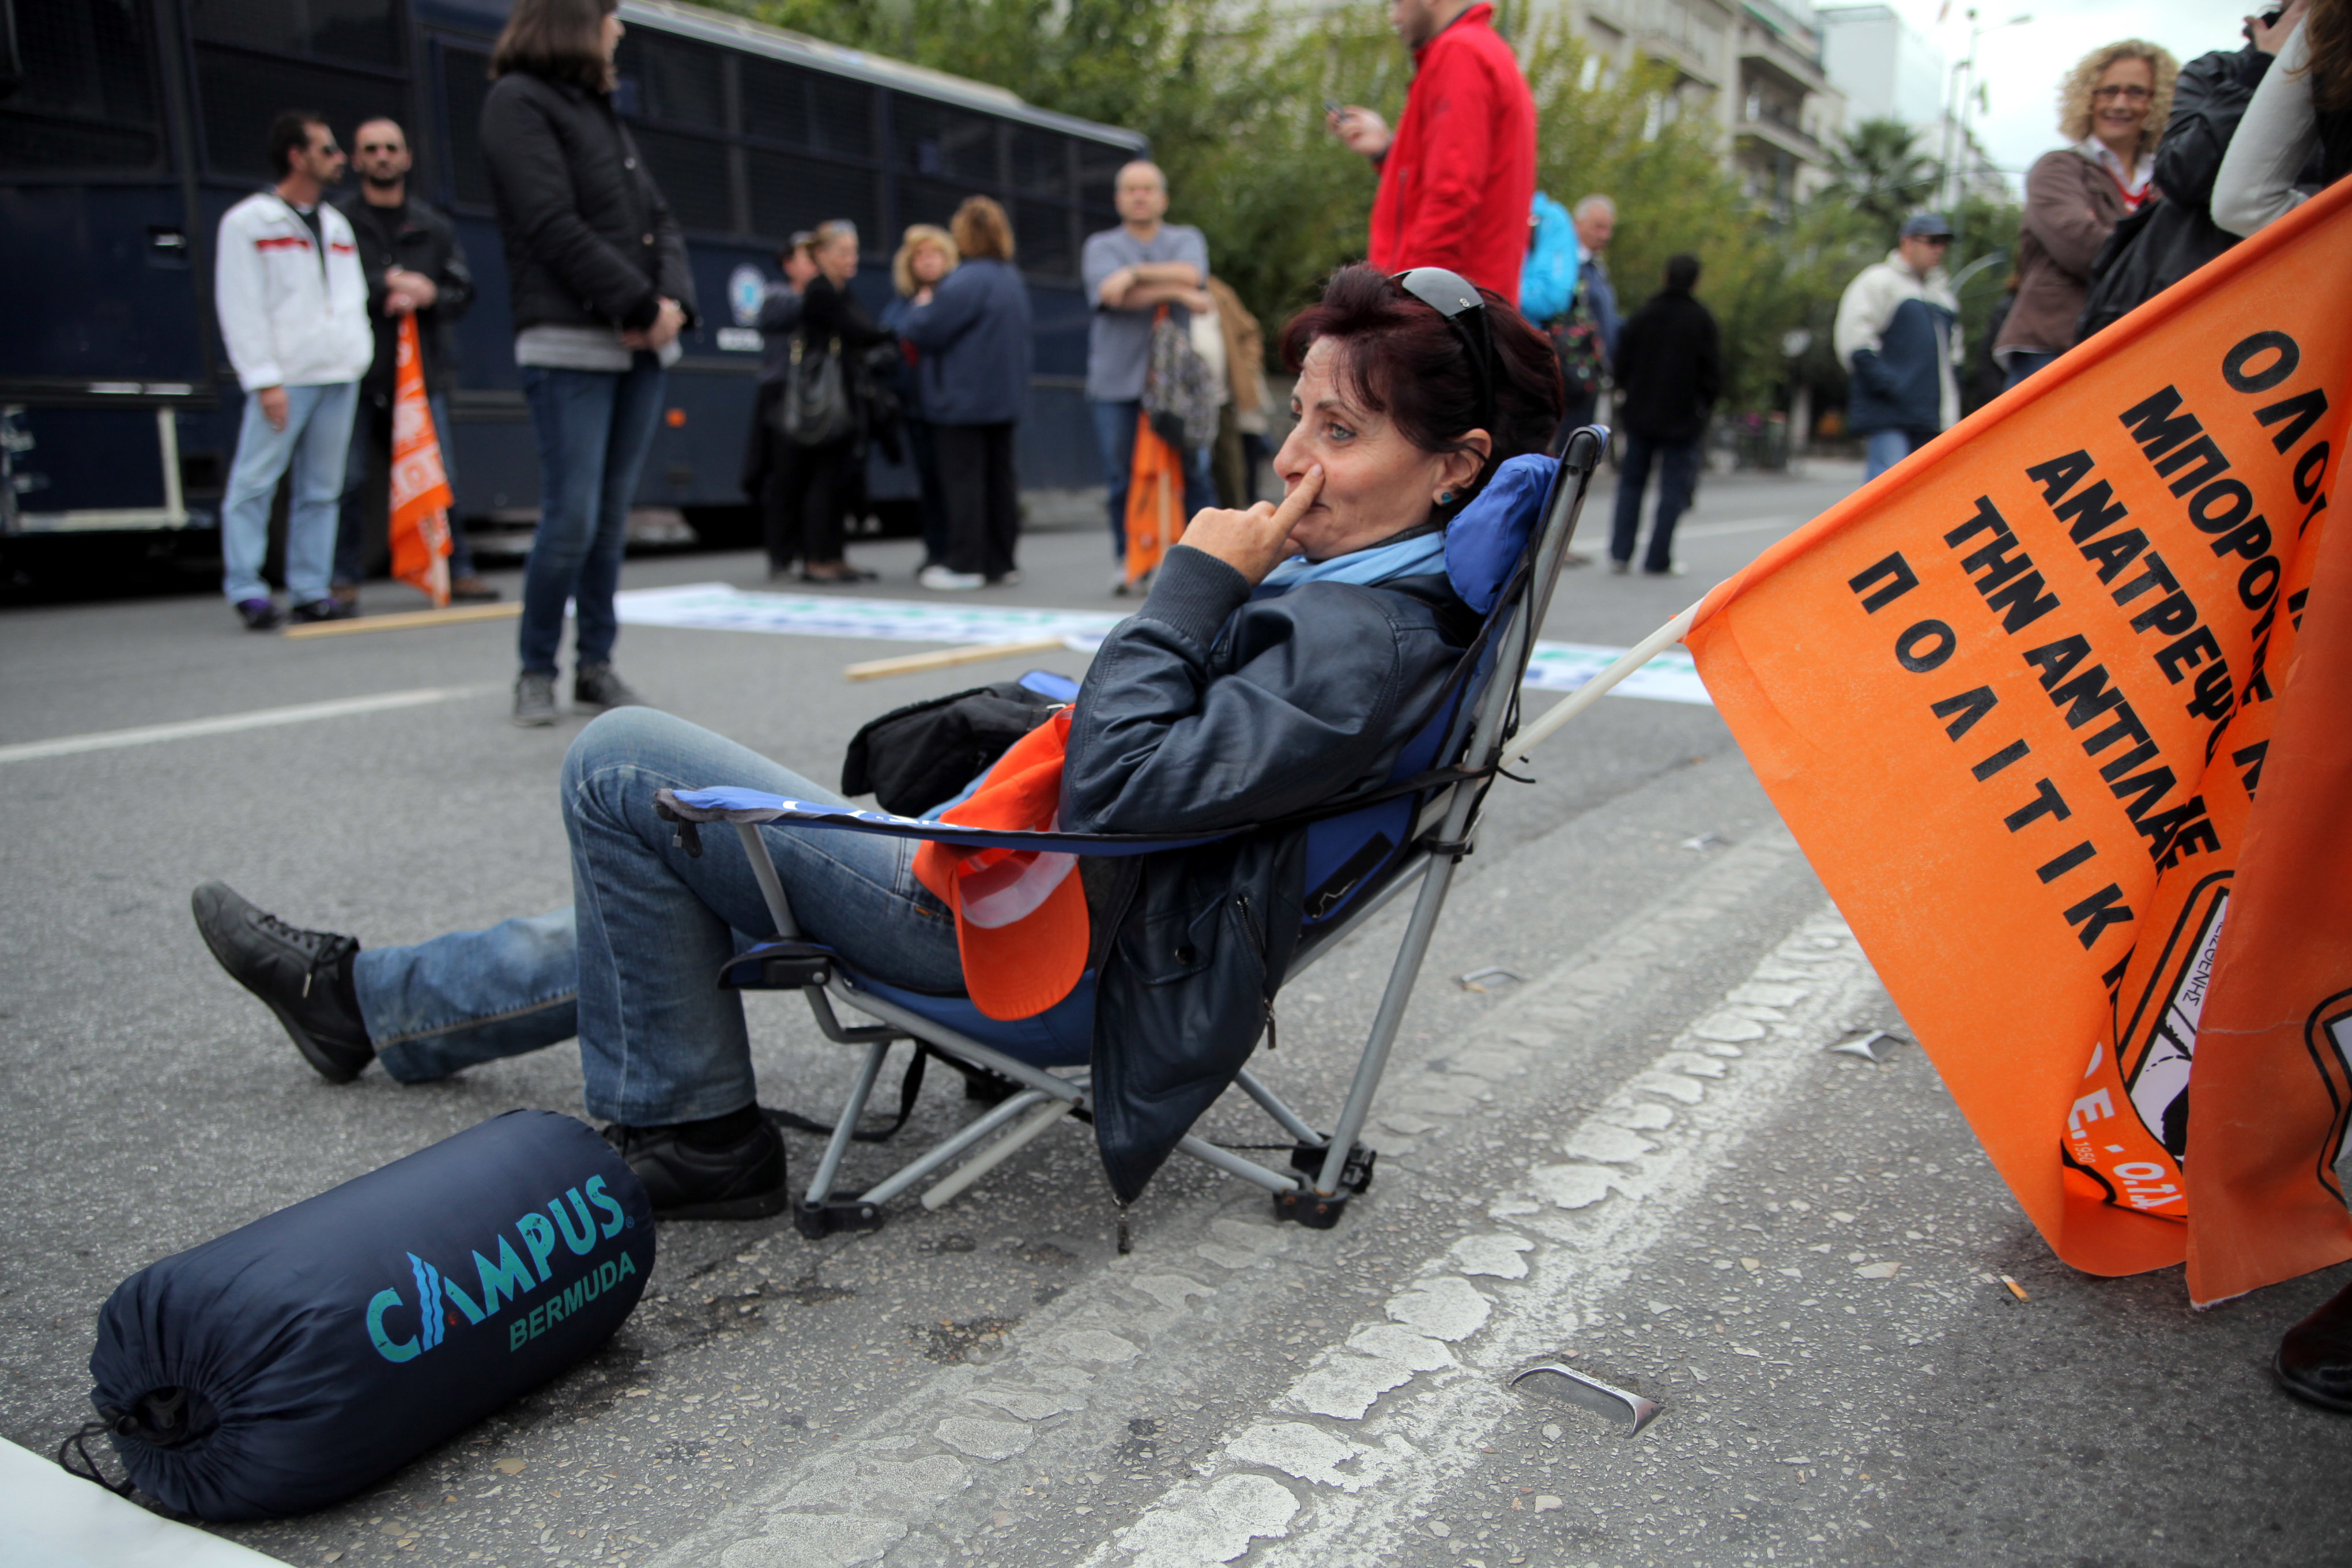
<point x="942" y="580"/>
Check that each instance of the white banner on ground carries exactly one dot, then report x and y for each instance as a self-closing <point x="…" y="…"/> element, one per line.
<point x="716" y="607"/>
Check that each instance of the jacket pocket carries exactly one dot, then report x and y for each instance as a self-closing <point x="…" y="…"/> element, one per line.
<point x="1175" y="948"/>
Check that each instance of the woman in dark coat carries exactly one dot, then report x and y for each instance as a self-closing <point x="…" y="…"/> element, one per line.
<point x="597" y="272"/>
<point x="973" y="337"/>
<point x="827" y="479"/>
<point x="1284" y="657"/>
<point x="926" y="253"/>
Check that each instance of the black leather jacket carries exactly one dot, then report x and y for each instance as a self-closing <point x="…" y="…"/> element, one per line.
<point x="426" y="243"/>
<point x="1208" y="709"/>
<point x="589" y="239"/>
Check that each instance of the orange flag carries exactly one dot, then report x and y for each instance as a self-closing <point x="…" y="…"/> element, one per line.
<point x="1155" y="500"/>
<point x="2017" y="700"/>
<point x="421" y="497"/>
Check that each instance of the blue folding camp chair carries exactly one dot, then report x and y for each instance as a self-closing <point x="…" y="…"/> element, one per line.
<point x="1362" y="854"/>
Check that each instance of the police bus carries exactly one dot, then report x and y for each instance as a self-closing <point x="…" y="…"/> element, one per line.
<point x="128" y="127"/>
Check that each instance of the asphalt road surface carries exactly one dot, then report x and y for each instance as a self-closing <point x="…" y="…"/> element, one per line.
<point x="1640" y="1159"/>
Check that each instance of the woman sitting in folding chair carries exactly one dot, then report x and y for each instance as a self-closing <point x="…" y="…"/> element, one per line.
<point x="1284" y="657"/>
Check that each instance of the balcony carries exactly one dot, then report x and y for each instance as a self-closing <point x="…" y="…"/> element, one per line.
<point x="1791" y="60"/>
<point x="1777" y="125"/>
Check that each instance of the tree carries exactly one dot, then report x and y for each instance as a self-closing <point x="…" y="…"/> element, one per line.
<point x="1882" y="173"/>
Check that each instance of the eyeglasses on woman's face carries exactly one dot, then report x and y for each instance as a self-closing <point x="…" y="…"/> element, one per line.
<point x="2121" y="92"/>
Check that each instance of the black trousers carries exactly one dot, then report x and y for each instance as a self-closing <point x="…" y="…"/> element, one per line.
<point x="815" y="487"/>
<point x="983" y="495"/>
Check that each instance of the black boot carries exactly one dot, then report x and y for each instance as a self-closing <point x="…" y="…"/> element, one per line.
<point x="2315" y="1358"/>
<point x="727" y="1167"/>
<point x="304" y="977"/>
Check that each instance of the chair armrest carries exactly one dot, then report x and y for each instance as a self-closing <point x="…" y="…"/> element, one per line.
<point x="727" y="804"/>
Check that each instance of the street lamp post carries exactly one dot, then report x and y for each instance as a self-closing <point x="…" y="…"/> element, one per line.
<point x="1964" y="87"/>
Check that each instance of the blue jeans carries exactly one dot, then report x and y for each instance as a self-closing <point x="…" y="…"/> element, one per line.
<point x="594" y="428"/>
<point x="318" y="432"/>
<point x="631" y="967"/>
<point x="1882" y="449"/>
<point x="2022" y="365"/>
<point x="1678" y="476"/>
<point x="1115" y="437"/>
<point x="367" y="493"/>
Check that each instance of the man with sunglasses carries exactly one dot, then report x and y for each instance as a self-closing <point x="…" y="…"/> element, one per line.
<point x="1898" y="335"/>
<point x="293" y="318"/>
<point x="414" y="265"/>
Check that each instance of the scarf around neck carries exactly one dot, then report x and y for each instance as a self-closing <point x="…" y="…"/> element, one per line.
<point x="1416" y="555"/>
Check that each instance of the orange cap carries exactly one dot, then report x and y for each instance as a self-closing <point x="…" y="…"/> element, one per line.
<point x="1020" y="914"/>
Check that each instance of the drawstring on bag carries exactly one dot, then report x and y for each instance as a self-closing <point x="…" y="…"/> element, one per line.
<point x="79" y="1445"/>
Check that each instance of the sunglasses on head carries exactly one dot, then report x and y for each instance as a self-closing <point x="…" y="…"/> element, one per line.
<point x="1455" y="297"/>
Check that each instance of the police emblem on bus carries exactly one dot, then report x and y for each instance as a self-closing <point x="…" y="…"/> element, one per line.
<point x="745" y="290"/>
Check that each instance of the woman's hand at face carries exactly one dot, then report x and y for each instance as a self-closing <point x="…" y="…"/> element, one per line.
<point x="1255" y="542"/>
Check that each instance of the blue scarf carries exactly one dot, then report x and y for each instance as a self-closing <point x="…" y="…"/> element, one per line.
<point x="1416" y="557"/>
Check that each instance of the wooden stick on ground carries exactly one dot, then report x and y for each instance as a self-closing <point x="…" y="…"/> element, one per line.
<point x="946" y="658"/>
<point x="408" y="620"/>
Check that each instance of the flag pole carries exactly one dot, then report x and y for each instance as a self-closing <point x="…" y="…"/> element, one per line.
<point x="1591" y="691"/>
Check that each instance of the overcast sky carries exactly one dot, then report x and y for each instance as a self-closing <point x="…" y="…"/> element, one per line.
<point x="2023" y="66"/>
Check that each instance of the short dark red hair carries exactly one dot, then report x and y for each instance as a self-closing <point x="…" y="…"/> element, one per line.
<point x="1401" y="358"/>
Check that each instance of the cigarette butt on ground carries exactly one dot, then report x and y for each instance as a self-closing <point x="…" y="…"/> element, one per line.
<point x="942" y="658"/>
<point x="2015" y="1289"/>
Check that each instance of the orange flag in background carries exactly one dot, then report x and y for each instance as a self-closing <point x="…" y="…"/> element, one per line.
<point x="1155" y="500"/>
<point x="421" y="497"/>
<point x="2019" y="700"/>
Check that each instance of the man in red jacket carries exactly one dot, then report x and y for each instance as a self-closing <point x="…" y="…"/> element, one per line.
<point x="1458" y="173"/>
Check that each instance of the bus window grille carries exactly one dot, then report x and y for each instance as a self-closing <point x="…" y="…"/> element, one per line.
<point x="362" y="31"/>
<point x="677" y="82"/>
<point x="692" y="173"/>
<point x="1041" y="232"/>
<point x="239" y="95"/>
<point x="86" y="96"/>
<point x="465" y="85"/>
<point x="791" y="193"/>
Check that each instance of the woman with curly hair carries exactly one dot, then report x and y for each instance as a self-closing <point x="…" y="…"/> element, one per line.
<point x="2112" y="108"/>
<point x="2304" y="105"/>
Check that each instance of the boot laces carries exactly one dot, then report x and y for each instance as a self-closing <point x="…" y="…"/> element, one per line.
<point x="323" y="946"/>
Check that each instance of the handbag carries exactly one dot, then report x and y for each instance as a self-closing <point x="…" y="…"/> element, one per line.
<point x="1180" y="393"/>
<point x="815" y="408"/>
<point x="914" y="758"/>
<point x="2148" y="252"/>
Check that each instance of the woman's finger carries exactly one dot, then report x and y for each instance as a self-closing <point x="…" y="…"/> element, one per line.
<point x="1302" y="495"/>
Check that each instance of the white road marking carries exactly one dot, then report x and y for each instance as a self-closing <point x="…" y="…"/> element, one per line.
<point x="920" y="1475"/>
<point x="1671" y="677"/>
<point x="232" y="723"/>
<point x="1409" y="1429"/>
<point x="1737" y="525"/>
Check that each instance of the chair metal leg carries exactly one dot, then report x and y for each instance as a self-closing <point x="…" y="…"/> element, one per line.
<point x="981" y="1127"/>
<point x="1273" y="1107"/>
<point x="1233" y="1164"/>
<point x="1031" y="1129"/>
<point x="821" y="1188"/>
<point x="772" y="886"/>
<point x="1386" y="1021"/>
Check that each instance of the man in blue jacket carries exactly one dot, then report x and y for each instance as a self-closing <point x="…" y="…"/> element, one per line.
<point x="1898" y="335"/>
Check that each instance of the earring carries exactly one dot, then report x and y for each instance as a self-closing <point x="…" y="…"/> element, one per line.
<point x="1445" y="497"/>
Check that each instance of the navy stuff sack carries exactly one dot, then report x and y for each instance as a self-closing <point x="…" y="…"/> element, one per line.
<point x="294" y="1360"/>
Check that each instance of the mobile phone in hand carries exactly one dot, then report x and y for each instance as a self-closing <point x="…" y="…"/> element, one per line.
<point x="1332" y="107"/>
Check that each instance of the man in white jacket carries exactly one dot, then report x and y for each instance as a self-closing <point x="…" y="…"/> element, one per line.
<point x="1898" y="335"/>
<point x="293" y="314"/>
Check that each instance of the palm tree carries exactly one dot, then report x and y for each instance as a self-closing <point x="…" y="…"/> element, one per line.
<point x="1882" y="173"/>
